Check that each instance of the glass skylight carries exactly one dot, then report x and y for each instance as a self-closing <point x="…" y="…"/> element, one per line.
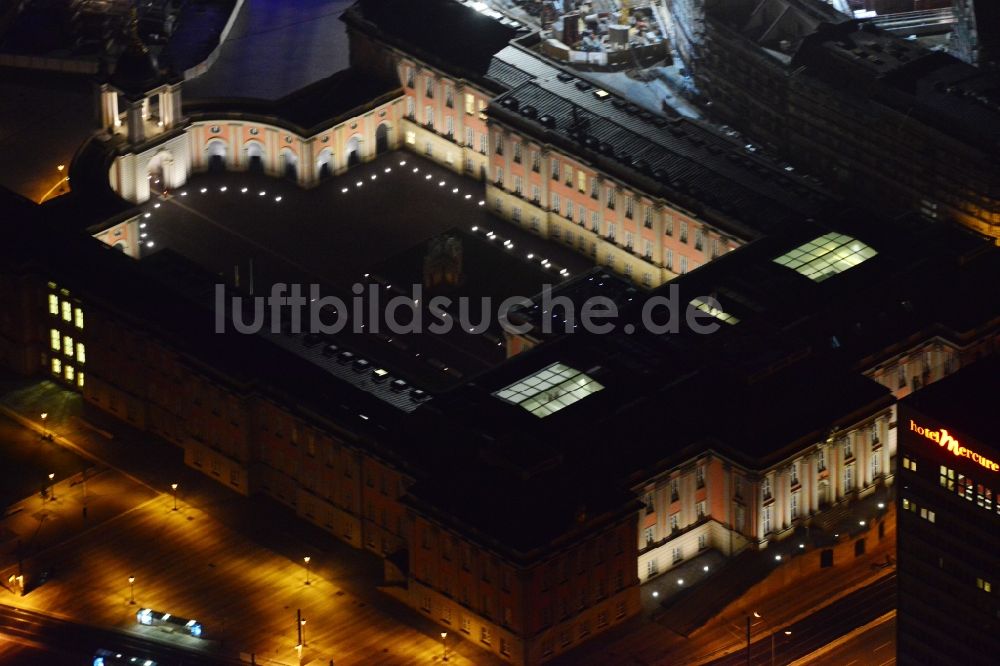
<point x="550" y="389"/>
<point x="826" y="256"/>
<point x="721" y="315"/>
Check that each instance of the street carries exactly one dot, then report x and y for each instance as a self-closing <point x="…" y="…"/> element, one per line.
<point x="816" y="630"/>
<point x="875" y="646"/>
<point x="233" y="564"/>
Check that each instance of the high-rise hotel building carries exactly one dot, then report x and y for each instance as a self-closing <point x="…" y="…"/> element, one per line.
<point x="949" y="520"/>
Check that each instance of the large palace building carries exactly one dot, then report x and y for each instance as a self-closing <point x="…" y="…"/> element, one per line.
<point x="522" y="508"/>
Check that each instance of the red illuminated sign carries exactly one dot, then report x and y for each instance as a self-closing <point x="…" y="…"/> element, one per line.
<point x="943" y="438"/>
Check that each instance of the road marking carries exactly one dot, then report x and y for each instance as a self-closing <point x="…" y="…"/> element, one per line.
<point x="886" y="644"/>
<point x="890" y="661"/>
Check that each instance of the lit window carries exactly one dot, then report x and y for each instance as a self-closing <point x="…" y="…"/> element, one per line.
<point x="411" y="137"/>
<point x="56" y="366"/>
<point x="81" y="353"/>
<point x="68" y="346"/>
<point x="79" y="380"/>
<point x="826" y="256"/>
<point x="78" y="321"/>
<point x="56" y="340"/>
<point x="550" y="389"/>
<point x="67" y="311"/>
<point x="70" y="373"/>
<point x="53" y="304"/>
<point x="470" y="104"/>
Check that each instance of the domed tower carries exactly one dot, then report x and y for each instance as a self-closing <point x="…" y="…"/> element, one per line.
<point x="140" y="115"/>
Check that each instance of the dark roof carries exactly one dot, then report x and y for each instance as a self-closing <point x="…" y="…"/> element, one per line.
<point x="965" y="401"/>
<point x="322" y="104"/>
<point x="447" y="34"/>
<point x="674" y="158"/>
<point x="135" y="70"/>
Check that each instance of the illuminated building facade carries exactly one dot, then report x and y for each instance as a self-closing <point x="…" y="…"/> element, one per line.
<point x="642" y="452"/>
<point x="551" y="147"/>
<point x="922" y="136"/>
<point x="949" y="521"/>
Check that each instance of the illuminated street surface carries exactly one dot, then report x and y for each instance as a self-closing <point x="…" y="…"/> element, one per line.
<point x="245" y="596"/>
<point x="876" y="646"/>
<point x="12" y="652"/>
<point x="849" y="594"/>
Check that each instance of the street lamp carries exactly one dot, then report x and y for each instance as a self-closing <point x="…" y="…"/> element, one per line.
<point x="787" y="633"/>
<point x="173" y="486"/>
<point x="131" y="590"/>
<point x="749" y="620"/>
<point x="307" y="559"/>
<point x="52" y="487"/>
<point x="45" y="432"/>
<point x="444" y="646"/>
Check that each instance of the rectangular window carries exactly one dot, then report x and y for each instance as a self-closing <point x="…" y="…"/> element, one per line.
<point x="499" y="143"/>
<point x="499" y="176"/>
<point x="53" y="304"/>
<point x="700" y="508"/>
<point x="568" y="174"/>
<point x="676" y="554"/>
<point x="536" y="161"/>
<point x="555" y="203"/>
<point x="794" y="506"/>
<point x="684" y="232"/>
<point x="668" y="259"/>
<point x="647" y="249"/>
<point x="611" y="198"/>
<point x="648" y="536"/>
<point x="629" y="206"/>
<point x="595" y="222"/>
<point x="555" y="169"/>
<point x="766" y="519"/>
<point x="429" y="89"/>
<point x="517" y="152"/>
<point x="536" y="194"/>
<point x="702" y="542"/>
<point x="449" y="126"/>
<point x="483" y="141"/>
<point x="449" y="97"/>
<point x="569" y="210"/>
<point x="470" y="136"/>
<point x="411" y="137"/>
<point x="68" y="346"/>
<point x="67" y="311"/>
<point x="668" y="226"/>
<point x="429" y="116"/>
<point x="651" y="567"/>
<point x="629" y="240"/>
<point x="581" y="181"/>
<point x="78" y="318"/>
<point x="765" y="488"/>
<point x="648" y="217"/>
<point x="595" y="188"/>
<point x="470" y="104"/>
<point x="848" y="478"/>
<point x="55" y="338"/>
<point x="518" y="187"/>
<point x="409" y="77"/>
